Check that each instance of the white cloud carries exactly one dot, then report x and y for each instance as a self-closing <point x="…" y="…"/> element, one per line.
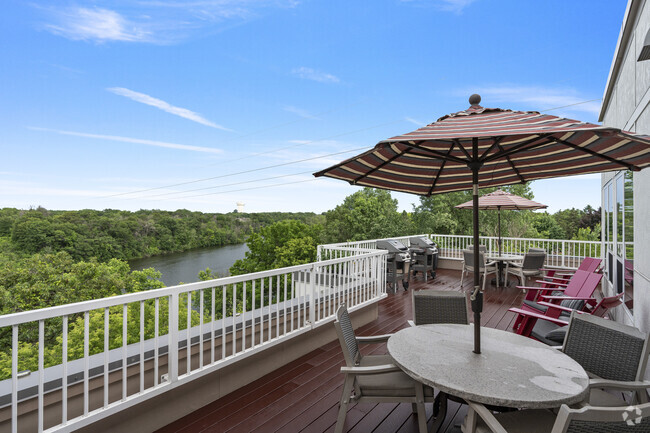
<point x="455" y="6"/>
<point x="314" y="75"/>
<point x="300" y="112"/>
<point x="539" y="98"/>
<point x="133" y="140"/>
<point x="157" y="21"/>
<point x="415" y="121"/>
<point x="97" y="25"/>
<point x="165" y="106"/>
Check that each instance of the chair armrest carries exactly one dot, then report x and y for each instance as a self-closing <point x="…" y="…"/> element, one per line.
<point x="566" y="298"/>
<point x="539" y="316"/>
<point x="374" y="369"/>
<point x="374" y="339"/>
<point x="619" y="384"/>
<point x="552" y="283"/>
<point x="488" y="417"/>
<point x="558" y="307"/>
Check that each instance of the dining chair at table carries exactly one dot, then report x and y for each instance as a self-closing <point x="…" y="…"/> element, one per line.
<point x="587" y="419"/>
<point x="375" y="378"/>
<point x="438" y="306"/>
<point x="530" y="267"/>
<point x="485" y="267"/>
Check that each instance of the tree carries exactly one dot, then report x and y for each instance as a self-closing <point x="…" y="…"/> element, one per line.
<point x="366" y="214"/>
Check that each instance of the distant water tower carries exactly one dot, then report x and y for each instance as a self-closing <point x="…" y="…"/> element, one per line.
<point x="240" y="207"/>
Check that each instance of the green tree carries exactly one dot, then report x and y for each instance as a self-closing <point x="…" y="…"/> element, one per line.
<point x="366" y="214"/>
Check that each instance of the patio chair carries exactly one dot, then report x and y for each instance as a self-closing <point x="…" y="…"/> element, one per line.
<point x="632" y="419"/>
<point x="438" y="306"/>
<point x="615" y="354"/>
<point x="531" y="266"/>
<point x="375" y="378"/>
<point x="582" y="285"/>
<point x="550" y="327"/>
<point x="485" y="267"/>
<point x="481" y="248"/>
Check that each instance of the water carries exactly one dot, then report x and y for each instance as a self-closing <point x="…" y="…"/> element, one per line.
<point x="184" y="267"/>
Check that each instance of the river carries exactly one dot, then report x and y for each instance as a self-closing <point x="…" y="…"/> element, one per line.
<point x="184" y="267"/>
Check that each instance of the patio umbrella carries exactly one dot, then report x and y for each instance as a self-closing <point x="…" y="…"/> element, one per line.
<point x="490" y="147"/>
<point x="501" y="199"/>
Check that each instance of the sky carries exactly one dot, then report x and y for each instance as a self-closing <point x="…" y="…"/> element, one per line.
<point x="200" y="104"/>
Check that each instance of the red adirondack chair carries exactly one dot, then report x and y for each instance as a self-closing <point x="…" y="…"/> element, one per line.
<point x="547" y="327"/>
<point x="580" y="288"/>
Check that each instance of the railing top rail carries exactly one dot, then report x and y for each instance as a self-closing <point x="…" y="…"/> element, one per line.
<point x="97" y="304"/>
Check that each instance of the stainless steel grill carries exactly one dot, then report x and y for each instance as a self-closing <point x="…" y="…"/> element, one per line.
<point x="424" y="256"/>
<point x="398" y="262"/>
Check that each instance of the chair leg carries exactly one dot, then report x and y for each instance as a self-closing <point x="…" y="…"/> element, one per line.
<point x="484" y="279"/>
<point x="343" y="406"/>
<point x="421" y="412"/>
<point x="462" y="275"/>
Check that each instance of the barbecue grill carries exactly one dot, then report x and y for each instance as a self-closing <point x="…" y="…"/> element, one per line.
<point x="424" y="255"/>
<point x="398" y="262"/>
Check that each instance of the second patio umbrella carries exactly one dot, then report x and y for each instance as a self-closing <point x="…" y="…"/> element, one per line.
<point x="501" y="199"/>
<point x="490" y="147"/>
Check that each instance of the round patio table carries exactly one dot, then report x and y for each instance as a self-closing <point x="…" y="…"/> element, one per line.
<point x="511" y="370"/>
<point x="502" y="259"/>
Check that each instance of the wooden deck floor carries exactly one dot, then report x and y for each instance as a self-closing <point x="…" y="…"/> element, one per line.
<point x="303" y="395"/>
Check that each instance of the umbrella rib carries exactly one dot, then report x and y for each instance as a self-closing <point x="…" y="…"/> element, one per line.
<point x="389" y="160"/>
<point x="442" y="166"/>
<point x="497" y="140"/>
<point x="462" y="149"/>
<point x="514" y="168"/>
<point x="599" y="155"/>
<point x="440" y="155"/>
<point x="527" y="145"/>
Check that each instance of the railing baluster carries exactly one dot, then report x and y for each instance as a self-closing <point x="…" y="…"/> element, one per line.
<point x="106" y="351"/>
<point x="41" y="372"/>
<point x="253" y="314"/>
<point x="124" y="344"/>
<point x="86" y="358"/>
<point x="188" y="341"/>
<point x="173" y="337"/>
<point x="201" y="293"/>
<point x="141" y="347"/>
<point x="243" y="334"/>
<point x="14" y="379"/>
<point x="213" y="319"/>
<point x="64" y="379"/>
<point x="156" y="331"/>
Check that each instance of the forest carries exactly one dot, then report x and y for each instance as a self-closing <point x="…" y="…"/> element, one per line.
<point x="50" y="258"/>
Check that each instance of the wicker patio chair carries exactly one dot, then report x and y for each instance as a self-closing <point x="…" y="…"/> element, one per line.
<point x="614" y="353"/>
<point x="375" y="378"/>
<point x="438" y="306"/>
<point x="588" y="419"/>
<point x="485" y="267"/>
<point x="530" y="267"/>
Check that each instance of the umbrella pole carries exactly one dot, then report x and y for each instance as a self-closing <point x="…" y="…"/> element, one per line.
<point x="477" y="295"/>
<point x="499" y="227"/>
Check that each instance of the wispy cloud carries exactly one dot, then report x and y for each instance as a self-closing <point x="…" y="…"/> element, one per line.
<point x="455" y="6"/>
<point x="156" y="21"/>
<point x="97" y="25"/>
<point x="314" y="75"/>
<point x="132" y="140"/>
<point x="165" y="106"/>
<point x="300" y="112"/>
<point x="415" y="121"/>
<point x="539" y="98"/>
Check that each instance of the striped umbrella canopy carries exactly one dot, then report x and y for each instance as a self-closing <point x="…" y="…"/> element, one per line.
<point x="501" y="199"/>
<point x="490" y="147"/>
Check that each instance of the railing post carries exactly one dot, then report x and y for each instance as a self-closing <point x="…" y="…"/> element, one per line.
<point x="563" y="252"/>
<point x="173" y="338"/>
<point x="318" y="250"/>
<point x="312" y="297"/>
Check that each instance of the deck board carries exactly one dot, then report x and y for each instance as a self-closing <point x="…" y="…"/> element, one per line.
<point x="303" y="395"/>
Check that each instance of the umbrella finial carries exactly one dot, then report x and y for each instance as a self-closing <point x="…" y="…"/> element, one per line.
<point x="475" y="99"/>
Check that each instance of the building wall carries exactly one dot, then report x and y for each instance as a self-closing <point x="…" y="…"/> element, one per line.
<point x="628" y="108"/>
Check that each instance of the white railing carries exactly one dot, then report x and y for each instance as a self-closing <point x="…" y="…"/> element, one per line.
<point x="140" y="345"/>
<point x="560" y="252"/>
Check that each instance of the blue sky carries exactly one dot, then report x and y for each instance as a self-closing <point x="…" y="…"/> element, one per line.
<point x="199" y="104"/>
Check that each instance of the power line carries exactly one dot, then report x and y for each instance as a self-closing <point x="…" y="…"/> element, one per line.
<point x="234" y="174"/>
<point x="228" y="184"/>
<point x="571" y="105"/>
